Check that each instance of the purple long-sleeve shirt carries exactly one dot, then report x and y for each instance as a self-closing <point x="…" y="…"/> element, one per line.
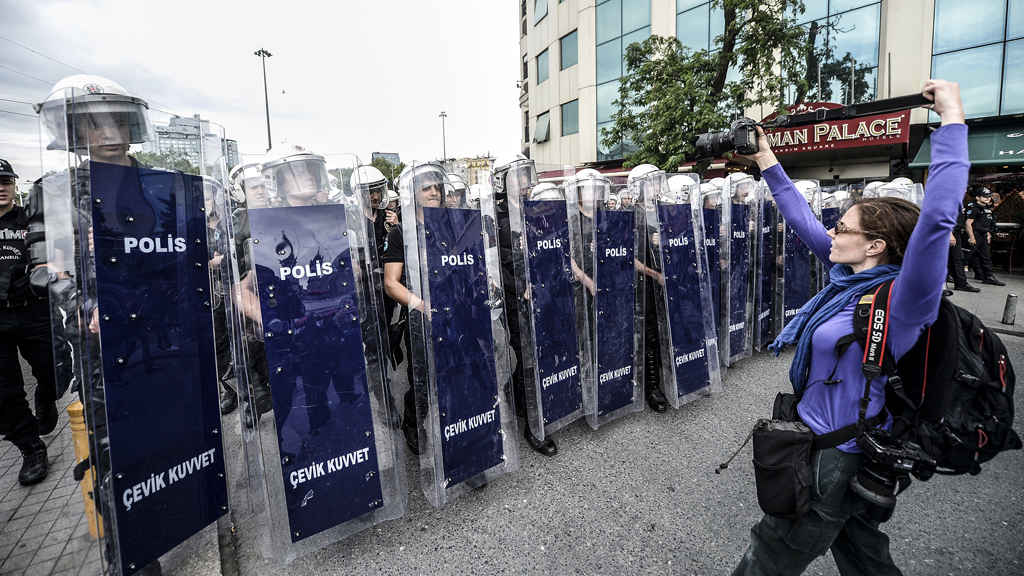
<point x="915" y="296"/>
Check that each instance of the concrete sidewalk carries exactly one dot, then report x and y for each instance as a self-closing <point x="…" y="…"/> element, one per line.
<point x="988" y="304"/>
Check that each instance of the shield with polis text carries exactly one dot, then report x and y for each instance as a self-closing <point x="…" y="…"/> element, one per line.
<point x="319" y="421"/>
<point x="128" y="274"/>
<point x="459" y="348"/>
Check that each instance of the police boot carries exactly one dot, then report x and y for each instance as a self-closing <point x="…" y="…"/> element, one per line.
<point x="35" y="466"/>
<point x="545" y="447"/>
<point x="652" y="381"/>
<point x="46" y="415"/>
<point x="228" y="398"/>
<point x="412" y="437"/>
<point x="993" y="281"/>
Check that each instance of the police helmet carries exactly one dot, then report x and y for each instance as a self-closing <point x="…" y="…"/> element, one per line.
<point x="460" y="187"/>
<point x="514" y="175"/>
<point x="95" y="102"/>
<point x="368" y="180"/>
<point x="679" y="187"/>
<point x="418" y="177"/>
<point x="246" y="186"/>
<point x="807" y="188"/>
<point x="546" y="191"/>
<point x="476" y="192"/>
<point x="298" y="174"/>
<point x="589" y="187"/>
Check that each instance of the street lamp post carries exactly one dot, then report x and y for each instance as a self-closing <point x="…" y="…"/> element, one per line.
<point x="263" y="54"/>
<point x="444" y="144"/>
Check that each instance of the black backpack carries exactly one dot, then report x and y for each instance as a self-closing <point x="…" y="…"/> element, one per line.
<point x="951" y="394"/>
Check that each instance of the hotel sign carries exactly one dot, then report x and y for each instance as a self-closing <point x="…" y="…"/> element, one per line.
<point x="891" y="128"/>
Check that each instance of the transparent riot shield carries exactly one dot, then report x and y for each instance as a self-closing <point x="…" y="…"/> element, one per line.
<point x="606" y="243"/>
<point x="711" y="204"/>
<point x="765" y="269"/>
<point x="737" y="250"/>
<point x="902" y="188"/>
<point x="687" y="344"/>
<point x="128" y="275"/>
<point x="318" y="421"/>
<point x="796" y="277"/>
<point x="551" y="351"/>
<point x="461" y="376"/>
<point x="829" y="204"/>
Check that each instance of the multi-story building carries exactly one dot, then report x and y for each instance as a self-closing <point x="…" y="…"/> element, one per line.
<point x="192" y="138"/>
<point x="479" y="169"/>
<point x="230" y="152"/>
<point x="572" y="59"/>
<point x="391" y="157"/>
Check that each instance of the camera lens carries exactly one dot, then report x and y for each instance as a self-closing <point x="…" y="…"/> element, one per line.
<point x="877" y="486"/>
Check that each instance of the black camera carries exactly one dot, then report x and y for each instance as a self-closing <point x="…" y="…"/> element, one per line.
<point x="888" y="463"/>
<point x="741" y="137"/>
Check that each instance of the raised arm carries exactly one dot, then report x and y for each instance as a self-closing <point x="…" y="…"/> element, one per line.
<point x="918" y="289"/>
<point x="791" y="202"/>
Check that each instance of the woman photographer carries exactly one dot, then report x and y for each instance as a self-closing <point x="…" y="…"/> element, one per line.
<point x="876" y="240"/>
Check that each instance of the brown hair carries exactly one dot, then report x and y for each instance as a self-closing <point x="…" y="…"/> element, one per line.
<point x="892" y="220"/>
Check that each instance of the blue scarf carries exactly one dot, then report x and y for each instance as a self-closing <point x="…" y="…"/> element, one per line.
<point x="826" y="304"/>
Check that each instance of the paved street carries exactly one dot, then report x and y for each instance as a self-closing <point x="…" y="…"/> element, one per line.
<point x="638" y="496"/>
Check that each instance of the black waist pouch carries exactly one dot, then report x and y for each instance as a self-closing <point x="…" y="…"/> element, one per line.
<point x="782" y="467"/>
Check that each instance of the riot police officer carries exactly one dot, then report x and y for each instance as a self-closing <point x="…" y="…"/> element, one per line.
<point x="651" y="275"/>
<point x="980" y="221"/>
<point x="459" y="192"/>
<point x="24" y="328"/>
<point x="517" y="166"/>
<point x="431" y="184"/>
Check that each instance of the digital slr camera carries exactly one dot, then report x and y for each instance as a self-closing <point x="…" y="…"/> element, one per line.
<point x="741" y="137"/>
<point x="887" y="461"/>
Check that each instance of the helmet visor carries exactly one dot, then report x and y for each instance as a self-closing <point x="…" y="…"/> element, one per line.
<point x="305" y="177"/>
<point x="521" y="178"/>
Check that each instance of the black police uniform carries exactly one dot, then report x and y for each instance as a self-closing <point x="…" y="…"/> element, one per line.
<point x="394" y="253"/>
<point x="24" y="327"/>
<point x="652" y="335"/>
<point x="956" y="254"/>
<point x="979" y="256"/>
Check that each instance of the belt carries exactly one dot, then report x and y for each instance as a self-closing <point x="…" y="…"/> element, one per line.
<point x="20" y="302"/>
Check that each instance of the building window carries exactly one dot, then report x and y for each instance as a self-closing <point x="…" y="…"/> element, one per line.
<point x="542" y="67"/>
<point x="570" y="117"/>
<point x="526" y="67"/>
<point x="977" y="44"/>
<point x="543" y="132"/>
<point x="568" y="50"/>
<point x="619" y="24"/>
<point x="843" y="63"/>
<point x="526" y="127"/>
<point x="540" y="10"/>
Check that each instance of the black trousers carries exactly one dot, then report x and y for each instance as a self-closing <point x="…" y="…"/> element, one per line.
<point x="25" y="329"/>
<point x="979" y="256"/>
<point x="956" y="263"/>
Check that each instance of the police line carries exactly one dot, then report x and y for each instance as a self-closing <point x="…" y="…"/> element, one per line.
<point x="561" y="302"/>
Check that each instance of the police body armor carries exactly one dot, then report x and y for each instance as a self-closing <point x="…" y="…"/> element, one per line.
<point x="606" y="243"/>
<point x="306" y="304"/>
<point x="127" y="269"/>
<point x="553" y="352"/>
<point x="461" y="371"/>
<point x="687" y="344"/>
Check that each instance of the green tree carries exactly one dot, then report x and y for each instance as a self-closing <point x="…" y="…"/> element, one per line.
<point x="671" y="94"/>
<point x="387" y="169"/>
<point x="167" y="160"/>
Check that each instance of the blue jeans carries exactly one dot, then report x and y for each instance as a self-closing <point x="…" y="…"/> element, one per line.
<point x="837" y="520"/>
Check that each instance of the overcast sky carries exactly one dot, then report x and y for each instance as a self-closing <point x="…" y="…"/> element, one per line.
<point x="355" y="77"/>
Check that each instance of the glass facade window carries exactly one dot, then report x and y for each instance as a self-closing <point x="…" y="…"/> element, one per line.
<point x="543" y="132"/>
<point x="619" y="24"/>
<point x="845" y="46"/>
<point x="543" y="69"/>
<point x="975" y="44"/>
<point x="569" y="50"/>
<point x="570" y="117"/>
<point x="698" y="24"/>
<point x="540" y="10"/>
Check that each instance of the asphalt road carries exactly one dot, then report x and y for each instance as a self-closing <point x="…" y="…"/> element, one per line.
<point x="639" y="496"/>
